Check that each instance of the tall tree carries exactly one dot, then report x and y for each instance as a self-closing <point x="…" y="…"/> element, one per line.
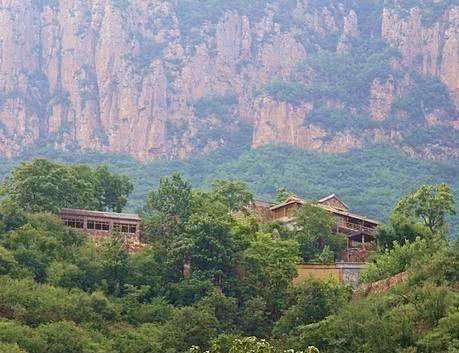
<point x="234" y="194"/>
<point x="429" y="205"/>
<point x="213" y="248"/>
<point x="269" y="266"/>
<point x="44" y="186"/>
<point x="114" y="264"/>
<point x="168" y="208"/>
<point x="112" y="190"/>
<point x="313" y="231"/>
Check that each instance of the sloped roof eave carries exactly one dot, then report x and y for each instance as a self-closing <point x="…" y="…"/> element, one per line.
<point x="112" y="215"/>
<point x="286" y="203"/>
<point x="349" y="214"/>
<point x="329" y="197"/>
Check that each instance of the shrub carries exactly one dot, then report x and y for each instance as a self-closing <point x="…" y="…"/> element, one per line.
<point x="400" y="258"/>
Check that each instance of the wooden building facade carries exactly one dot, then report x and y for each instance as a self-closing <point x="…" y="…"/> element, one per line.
<point x="360" y="231"/>
<point x="103" y="224"/>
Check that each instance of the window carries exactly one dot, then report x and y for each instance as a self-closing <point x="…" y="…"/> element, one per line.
<point x="98" y="225"/>
<point x="125" y="228"/>
<point x="74" y="223"/>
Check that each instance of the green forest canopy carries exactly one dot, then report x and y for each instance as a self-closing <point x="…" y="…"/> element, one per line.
<point x="211" y="281"/>
<point x="370" y="180"/>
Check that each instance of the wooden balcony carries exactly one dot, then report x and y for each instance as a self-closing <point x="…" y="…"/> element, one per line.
<point x="355" y="227"/>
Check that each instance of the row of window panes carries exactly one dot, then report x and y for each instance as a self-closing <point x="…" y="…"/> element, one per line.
<point x="125" y="228"/>
<point x="74" y="223"/>
<point x="99" y="225"/>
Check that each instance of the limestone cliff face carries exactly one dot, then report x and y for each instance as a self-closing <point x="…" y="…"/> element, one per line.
<point x="432" y="48"/>
<point x="138" y="77"/>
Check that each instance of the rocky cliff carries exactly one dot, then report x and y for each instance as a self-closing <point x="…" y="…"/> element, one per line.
<point x="168" y="79"/>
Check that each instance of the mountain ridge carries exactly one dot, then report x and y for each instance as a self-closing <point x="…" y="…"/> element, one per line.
<point x="171" y="79"/>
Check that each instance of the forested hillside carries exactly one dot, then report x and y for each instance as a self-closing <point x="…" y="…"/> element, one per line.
<point x="365" y="90"/>
<point x="369" y="181"/>
<point x="211" y="278"/>
<point x="185" y="112"/>
<point x="172" y="79"/>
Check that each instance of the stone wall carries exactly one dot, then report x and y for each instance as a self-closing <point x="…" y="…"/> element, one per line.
<point x="344" y="272"/>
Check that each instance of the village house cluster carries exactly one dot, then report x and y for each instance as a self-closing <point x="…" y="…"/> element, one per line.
<point x="359" y="231"/>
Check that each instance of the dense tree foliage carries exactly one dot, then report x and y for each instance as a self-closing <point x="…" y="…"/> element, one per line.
<point x="370" y="181"/>
<point x="211" y="278"/>
<point x="313" y="232"/>
<point x="45" y="186"/>
<point x="429" y="205"/>
<point x="420" y="214"/>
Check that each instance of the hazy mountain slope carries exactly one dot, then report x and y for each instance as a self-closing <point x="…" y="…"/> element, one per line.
<point x="157" y="78"/>
<point x="369" y="181"/>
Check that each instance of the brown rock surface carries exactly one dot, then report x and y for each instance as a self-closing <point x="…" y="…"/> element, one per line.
<point x="432" y="49"/>
<point x="119" y="76"/>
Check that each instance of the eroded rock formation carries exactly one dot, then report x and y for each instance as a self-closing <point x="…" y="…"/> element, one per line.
<point x="140" y="77"/>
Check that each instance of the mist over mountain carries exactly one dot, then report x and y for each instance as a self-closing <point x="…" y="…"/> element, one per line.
<point x="172" y="79"/>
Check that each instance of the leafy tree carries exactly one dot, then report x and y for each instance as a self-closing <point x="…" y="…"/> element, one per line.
<point x="11" y="216"/>
<point x="142" y="339"/>
<point x="8" y="264"/>
<point x="63" y="337"/>
<point x="224" y="308"/>
<point x="309" y="302"/>
<point x="13" y="333"/>
<point x="172" y="198"/>
<point x="44" y="186"/>
<point x="145" y="271"/>
<point x="441" y="268"/>
<point x="10" y="348"/>
<point x="213" y="248"/>
<point x="400" y="230"/>
<point x="418" y="214"/>
<point x="234" y="194"/>
<point x="444" y="337"/>
<point x="313" y="231"/>
<point x="168" y="208"/>
<point x="400" y="258"/>
<point x="188" y="327"/>
<point x="114" y="264"/>
<point x="112" y="190"/>
<point x="256" y="318"/>
<point x="269" y="266"/>
<point x="34" y="304"/>
<point x="429" y="205"/>
<point x="36" y="244"/>
<point x="66" y="275"/>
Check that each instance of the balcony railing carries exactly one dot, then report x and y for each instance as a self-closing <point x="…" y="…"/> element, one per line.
<point x="357" y="227"/>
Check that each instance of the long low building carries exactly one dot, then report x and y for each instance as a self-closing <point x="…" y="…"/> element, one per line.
<point x="103" y="224"/>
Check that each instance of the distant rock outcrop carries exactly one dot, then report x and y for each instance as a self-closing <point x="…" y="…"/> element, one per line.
<point x="149" y="79"/>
